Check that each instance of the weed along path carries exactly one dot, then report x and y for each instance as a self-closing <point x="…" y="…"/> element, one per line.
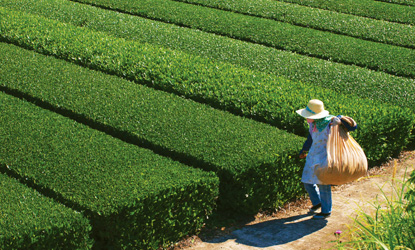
<point x="292" y="228"/>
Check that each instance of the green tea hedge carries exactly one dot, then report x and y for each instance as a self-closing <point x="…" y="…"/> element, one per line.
<point x="368" y="8"/>
<point x="133" y="197"/>
<point x="325" y="45"/>
<point x="339" y="77"/>
<point x="339" y="23"/>
<point x="29" y="220"/>
<point x="345" y="24"/>
<point x="404" y="2"/>
<point x="237" y="149"/>
<point x="245" y="92"/>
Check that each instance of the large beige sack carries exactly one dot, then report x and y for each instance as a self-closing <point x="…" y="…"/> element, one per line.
<point x="346" y="160"/>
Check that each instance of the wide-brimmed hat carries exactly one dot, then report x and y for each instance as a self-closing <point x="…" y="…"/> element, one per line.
<point x="314" y="110"/>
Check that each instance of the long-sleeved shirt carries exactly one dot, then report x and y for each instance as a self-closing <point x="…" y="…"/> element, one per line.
<point x="309" y="141"/>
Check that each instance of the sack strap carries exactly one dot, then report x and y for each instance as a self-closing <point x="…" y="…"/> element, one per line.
<point x="349" y="120"/>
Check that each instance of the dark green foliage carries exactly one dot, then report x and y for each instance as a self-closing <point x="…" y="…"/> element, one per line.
<point x="384" y="129"/>
<point x="133" y="197"/>
<point x="302" y="40"/>
<point x="234" y="147"/>
<point x="29" y="220"/>
<point x="339" y="77"/>
<point x="368" y="8"/>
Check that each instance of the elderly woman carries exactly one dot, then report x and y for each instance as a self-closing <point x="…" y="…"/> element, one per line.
<point x="319" y="121"/>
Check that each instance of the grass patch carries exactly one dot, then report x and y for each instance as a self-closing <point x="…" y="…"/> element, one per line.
<point x="390" y="226"/>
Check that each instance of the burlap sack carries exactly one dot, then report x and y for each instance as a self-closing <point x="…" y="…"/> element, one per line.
<point x="346" y="160"/>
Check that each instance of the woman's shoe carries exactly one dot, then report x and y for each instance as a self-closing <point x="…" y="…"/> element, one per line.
<point x="321" y="216"/>
<point x="313" y="209"/>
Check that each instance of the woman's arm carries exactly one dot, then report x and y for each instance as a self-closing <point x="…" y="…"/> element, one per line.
<point x="306" y="146"/>
<point x="347" y="125"/>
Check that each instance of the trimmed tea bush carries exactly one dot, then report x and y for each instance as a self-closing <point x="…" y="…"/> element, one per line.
<point x="345" y="24"/>
<point x="305" y="41"/>
<point x="404" y="2"/>
<point x="368" y="8"/>
<point x="236" y="89"/>
<point x="133" y="197"/>
<point x="29" y="220"/>
<point x="249" y="157"/>
<point x="339" y="23"/>
<point x="339" y="77"/>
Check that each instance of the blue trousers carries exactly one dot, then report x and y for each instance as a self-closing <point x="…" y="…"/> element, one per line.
<point x="320" y="194"/>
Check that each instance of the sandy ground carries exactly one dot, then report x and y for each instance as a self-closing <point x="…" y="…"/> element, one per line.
<point x="293" y="228"/>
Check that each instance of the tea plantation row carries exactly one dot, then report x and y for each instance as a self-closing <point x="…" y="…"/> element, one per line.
<point x="330" y="46"/>
<point x="339" y="77"/>
<point x="122" y="189"/>
<point x="367" y="8"/>
<point x="256" y="163"/>
<point x="339" y="23"/>
<point x="30" y="219"/>
<point x="233" y="88"/>
<point x="191" y="132"/>
<point x="404" y="2"/>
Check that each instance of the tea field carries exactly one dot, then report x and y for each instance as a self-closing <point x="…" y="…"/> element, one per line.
<point x="126" y="124"/>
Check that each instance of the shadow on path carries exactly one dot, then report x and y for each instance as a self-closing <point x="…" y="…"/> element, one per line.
<point x="275" y="232"/>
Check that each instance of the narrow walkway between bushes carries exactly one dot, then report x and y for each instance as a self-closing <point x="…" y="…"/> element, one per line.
<point x="292" y="228"/>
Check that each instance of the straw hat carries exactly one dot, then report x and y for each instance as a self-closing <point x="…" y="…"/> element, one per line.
<point x="314" y="110"/>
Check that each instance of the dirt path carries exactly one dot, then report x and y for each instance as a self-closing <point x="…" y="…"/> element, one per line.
<point x="293" y="228"/>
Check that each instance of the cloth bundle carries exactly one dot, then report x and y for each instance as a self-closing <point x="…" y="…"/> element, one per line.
<point x="346" y="160"/>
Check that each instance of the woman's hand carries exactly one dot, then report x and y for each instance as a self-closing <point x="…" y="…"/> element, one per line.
<point x="335" y="121"/>
<point x="303" y="155"/>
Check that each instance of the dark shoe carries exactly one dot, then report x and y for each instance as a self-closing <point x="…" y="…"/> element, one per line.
<point x="321" y="216"/>
<point x="313" y="209"/>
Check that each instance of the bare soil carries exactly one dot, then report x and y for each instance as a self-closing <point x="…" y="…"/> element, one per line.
<point x="292" y="227"/>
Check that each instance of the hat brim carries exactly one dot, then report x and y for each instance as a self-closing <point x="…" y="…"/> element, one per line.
<point x="307" y="114"/>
